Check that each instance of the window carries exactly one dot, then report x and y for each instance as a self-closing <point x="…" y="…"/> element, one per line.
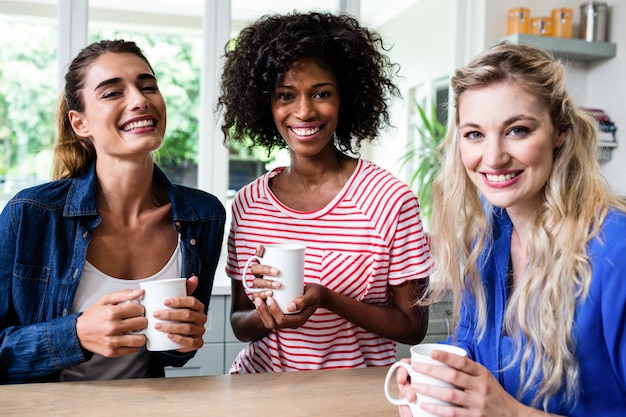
<point x="28" y="51"/>
<point x="174" y="40"/>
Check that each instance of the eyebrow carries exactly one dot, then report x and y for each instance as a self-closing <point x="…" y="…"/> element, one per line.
<point x="110" y="81"/>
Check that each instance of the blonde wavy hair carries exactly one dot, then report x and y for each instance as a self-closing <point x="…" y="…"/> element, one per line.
<point x="570" y="212"/>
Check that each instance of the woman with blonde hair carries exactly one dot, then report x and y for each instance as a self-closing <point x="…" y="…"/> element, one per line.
<point x="531" y="240"/>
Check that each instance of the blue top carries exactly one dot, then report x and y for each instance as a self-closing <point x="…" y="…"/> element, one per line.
<point x="45" y="233"/>
<point x="599" y="328"/>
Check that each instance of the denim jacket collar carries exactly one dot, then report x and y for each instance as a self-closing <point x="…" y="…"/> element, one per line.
<point x="82" y="198"/>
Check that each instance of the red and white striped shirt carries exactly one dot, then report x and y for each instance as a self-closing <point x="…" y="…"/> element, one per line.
<point x="367" y="239"/>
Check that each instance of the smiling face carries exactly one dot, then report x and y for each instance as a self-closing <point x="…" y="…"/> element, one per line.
<point x="125" y="114"/>
<point x="506" y="142"/>
<point x="305" y="106"/>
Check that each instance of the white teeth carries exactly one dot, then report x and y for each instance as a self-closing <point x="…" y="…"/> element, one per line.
<point x="500" y="178"/>
<point x="305" y="131"/>
<point x="138" y="125"/>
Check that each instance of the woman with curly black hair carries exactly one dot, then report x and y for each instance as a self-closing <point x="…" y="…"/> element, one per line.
<point x="318" y="84"/>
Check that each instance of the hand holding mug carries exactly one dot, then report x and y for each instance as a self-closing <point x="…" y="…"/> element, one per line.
<point x="104" y="328"/>
<point x="288" y="259"/>
<point x="421" y="353"/>
<point x="183" y="319"/>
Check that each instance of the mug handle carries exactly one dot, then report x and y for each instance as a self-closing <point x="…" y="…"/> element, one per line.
<point x="390" y="373"/>
<point x="245" y="274"/>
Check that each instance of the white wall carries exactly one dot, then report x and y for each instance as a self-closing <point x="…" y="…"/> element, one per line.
<point x="427" y="43"/>
<point x="424" y="52"/>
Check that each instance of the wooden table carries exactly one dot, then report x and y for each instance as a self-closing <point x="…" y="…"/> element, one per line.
<point x="346" y="392"/>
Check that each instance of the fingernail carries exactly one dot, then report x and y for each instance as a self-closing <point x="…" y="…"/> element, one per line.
<point x="273" y="271"/>
<point x="269" y="301"/>
<point x="257" y="302"/>
<point x="275" y="284"/>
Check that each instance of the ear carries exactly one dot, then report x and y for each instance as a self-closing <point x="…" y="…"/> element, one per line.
<point x="78" y="123"/>
<point x="561" y="136"/>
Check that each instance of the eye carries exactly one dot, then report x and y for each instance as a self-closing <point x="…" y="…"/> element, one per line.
<point x="322" y="94"/>
<point x="149" y="87"/>
<point x="518" y="131"/>
<point x="111" y="93"/>
<point x="472" y="135"/>
<point x="283" y="96"/>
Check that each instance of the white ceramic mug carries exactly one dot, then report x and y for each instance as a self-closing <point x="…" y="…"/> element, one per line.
<point x="155" y="294"/>
<point x="421" y="353"/>
<point x="288" y="258"/>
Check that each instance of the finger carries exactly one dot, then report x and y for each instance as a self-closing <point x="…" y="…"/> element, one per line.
<point x="182" y="329"/>
<point x="189" y="343"/>
<point x="259" y="270"/>
<point x="192" y="284"/>
<point x="266" y="283"/>
<point x="264" y="314"/>
<point x="188" y="302"/>
<point x="451" y="359"/>
<point x="119" y="297"/>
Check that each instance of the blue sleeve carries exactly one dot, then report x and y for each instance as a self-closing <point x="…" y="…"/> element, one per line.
<point x="31" y="348"/>
<point x="463" y="334"/>
<point x="609" y="263"/>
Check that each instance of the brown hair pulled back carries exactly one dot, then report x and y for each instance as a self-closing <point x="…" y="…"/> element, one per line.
<point x="72" y="153"/>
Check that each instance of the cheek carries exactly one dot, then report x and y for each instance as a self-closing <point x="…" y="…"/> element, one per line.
<point x="469" y="156"/>
<point x="540" y="157"/>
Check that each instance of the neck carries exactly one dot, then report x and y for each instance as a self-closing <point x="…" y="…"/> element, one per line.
<point x="127" y="189"/>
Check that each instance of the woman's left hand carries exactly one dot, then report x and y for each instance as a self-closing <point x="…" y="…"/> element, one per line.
<point x="188" y="315"/>
<point x="480" y="394"/>
<point x="272" y="316"/>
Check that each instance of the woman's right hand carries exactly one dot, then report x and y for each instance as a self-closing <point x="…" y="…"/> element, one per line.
<point x="104" y="327"/>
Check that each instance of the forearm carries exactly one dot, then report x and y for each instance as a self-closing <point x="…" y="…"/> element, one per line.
<point x="386" y="321"/>
<point x="38" y="350"/>
<point x="247" y="326"/>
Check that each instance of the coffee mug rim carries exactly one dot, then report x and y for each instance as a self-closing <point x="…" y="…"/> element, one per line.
<point x="285" y="246"/>
<point x="444" y="347"/>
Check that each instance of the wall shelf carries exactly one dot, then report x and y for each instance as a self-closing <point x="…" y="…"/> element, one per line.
<point x="568" y="48"/>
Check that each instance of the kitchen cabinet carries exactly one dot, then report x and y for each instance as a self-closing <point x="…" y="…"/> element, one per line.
<point x="221" y="346"/>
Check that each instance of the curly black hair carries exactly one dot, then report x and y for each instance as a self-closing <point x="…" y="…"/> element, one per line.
<point x="265" y="50"/>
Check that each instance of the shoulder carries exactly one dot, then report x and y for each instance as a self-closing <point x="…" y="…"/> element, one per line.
<point x="608" y="248"/>
<point x="382" y="183"/>
<point x="202" y="202"/>
<point x="50" y="195"/>
<point x="255" y="189"/>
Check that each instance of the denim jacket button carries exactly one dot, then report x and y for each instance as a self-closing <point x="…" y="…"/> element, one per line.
<point x="177" y="225"/>
<point x="192" y="241"/>
<point x="64" y="312"/>
<point x="85" y="234"/>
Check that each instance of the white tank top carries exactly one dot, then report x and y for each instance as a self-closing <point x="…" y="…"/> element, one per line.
<point x="93" y="285"/>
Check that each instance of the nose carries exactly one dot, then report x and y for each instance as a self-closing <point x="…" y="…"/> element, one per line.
<point x="136" y="99"/>
<point x="304" y="108"/>
<point x="495" y="152"/>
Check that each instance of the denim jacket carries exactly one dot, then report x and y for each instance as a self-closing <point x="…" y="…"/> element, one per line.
<point x="45" y="233"/>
